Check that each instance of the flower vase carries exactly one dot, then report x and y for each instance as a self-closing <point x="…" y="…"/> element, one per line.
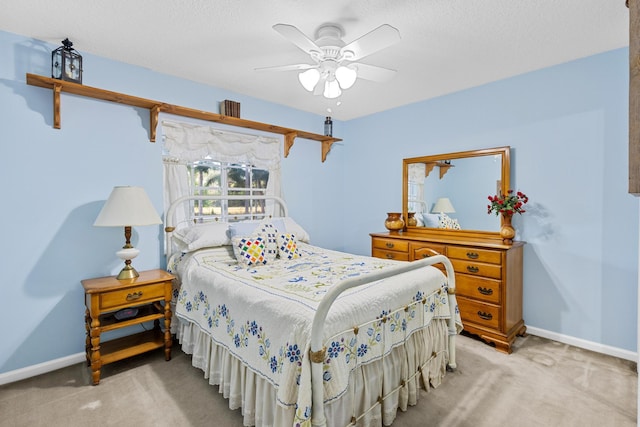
<point x="411" y="219"/>
<point x="394" y="222"/>
<point x="507" y="232"/>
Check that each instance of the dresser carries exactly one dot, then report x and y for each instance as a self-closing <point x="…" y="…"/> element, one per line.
<point x="488" y="279"/>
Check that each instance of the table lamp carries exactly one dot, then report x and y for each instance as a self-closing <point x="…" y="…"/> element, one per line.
<point x="127" y="207"/>
<point x="443" y="205"/>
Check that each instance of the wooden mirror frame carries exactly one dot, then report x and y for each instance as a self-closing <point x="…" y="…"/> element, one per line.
<point x="505" y="176"/>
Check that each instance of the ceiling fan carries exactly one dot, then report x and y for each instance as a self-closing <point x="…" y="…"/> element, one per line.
<point x="336" y="65"/>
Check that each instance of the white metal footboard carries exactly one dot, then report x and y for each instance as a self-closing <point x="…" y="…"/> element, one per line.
<point x="318" y="351"/>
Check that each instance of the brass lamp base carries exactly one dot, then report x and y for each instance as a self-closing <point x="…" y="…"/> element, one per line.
<point x="127" y="273"/>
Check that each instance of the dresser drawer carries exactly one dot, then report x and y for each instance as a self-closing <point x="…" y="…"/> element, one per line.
<point x="478" y="288"/>
<point x="476" y="312"/>
<point x="132" y="296"/>
<point x="477" y="268"/>
<point x="475" y="254"/>
<point x="391" y="245"/>
<point x="398" y="256"/>
<point x="425" y="250"/>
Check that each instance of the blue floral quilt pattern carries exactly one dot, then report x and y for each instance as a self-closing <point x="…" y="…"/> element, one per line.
<point x="262" y="314"/>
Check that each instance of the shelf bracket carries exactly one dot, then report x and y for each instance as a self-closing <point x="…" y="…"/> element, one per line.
<point x="154" y="112"/>
<point x="326" y="147"/>
<point x="57" y="88"/>
<point x="289" y="139"/>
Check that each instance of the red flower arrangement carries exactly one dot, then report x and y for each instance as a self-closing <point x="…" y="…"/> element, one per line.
<point x="509" y="204"/>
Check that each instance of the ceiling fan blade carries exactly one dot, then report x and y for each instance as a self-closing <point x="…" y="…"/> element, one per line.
<point x="383" y="36"/>
<point x="292" y="67"/>
<point x="373" y="72"/>
<point x="297" y="37"/>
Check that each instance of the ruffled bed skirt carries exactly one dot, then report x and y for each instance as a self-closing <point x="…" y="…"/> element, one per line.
<point x="425" y="352"/>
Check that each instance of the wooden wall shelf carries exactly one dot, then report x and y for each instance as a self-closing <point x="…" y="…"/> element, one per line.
<point x="157" y="107"/>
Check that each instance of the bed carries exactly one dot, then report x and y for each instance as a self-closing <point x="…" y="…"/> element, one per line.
<point x="297" y="335"/>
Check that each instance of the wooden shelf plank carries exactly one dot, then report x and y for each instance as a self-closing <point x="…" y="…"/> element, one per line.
<point x="155" y="107"/>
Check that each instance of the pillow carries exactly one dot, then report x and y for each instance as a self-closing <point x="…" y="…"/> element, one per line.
<point x="288" y="246"/>
<point x="200" y="236"/>
<point x="448" y="223"/>
<point x="431" y="220"/>
<point x="249" y="250"/>
<point x="293" y="228"/>
<point x="265" y="229"/>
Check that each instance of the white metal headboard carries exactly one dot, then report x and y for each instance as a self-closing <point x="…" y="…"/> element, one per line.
<point x="170" y="223"/>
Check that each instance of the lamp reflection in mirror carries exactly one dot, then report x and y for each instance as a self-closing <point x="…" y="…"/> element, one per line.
<point x="443" y="205"/>
<point x="127" y="207"/>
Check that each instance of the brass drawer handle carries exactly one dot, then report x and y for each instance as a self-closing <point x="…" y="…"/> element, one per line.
<point x="485" y="291"/>
<point x="485" y="316"/>
<point x="389" y="256"/>
<point x="472" y="255"/>
<point x="472" y="269"/>
<point x="134" y="296"/>
<point x="389" y="245"/>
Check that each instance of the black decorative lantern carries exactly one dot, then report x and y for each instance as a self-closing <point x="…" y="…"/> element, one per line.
<point x="66" y="63"/>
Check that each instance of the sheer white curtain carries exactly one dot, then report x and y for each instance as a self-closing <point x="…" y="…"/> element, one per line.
<point x="417" y="172"/>
<point x="186" y="142"/>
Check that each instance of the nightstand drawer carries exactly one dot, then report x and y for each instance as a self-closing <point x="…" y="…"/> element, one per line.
<point x="131" y="296"/>
<point x="481" y="314"/>
<point x="398" y="256"/>
<point x="474" y="254"/>
<point x="477" y="268"/>
<point x="478" y="288"/>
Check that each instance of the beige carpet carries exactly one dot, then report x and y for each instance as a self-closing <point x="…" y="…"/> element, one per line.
<point x="543" y="383"/>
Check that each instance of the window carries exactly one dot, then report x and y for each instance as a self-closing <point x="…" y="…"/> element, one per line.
<point x="212" y="178"/>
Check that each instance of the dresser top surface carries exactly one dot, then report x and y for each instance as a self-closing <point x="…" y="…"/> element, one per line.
<point x="447" y="239"/>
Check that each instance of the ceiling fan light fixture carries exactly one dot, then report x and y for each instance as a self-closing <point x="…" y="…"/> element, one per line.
<point x="346" y="76"/>
<point x="332" y="89"/>
<point x="309" y="79"/>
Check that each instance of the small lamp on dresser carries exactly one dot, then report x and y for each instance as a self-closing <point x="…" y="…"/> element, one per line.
<point x="127" y="207"/>
<point x="443" y="205"/>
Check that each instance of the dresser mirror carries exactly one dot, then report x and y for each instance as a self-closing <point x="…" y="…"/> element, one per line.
<point x="456" y="185"/>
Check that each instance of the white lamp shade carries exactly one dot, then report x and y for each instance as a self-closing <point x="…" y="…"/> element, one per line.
<point x="332" y="89"/>
<point x="309" y="79"/>
<point x="346" y="76"/>
<point x="443" y="205"/>
<point x="127" y="206"/>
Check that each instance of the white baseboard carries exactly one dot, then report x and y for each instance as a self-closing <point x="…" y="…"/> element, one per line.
<point x="587" y="345"/>
<point x="41" y="368"/>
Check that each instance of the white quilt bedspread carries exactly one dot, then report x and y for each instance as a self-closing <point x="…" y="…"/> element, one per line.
<point x="262" y="315"/>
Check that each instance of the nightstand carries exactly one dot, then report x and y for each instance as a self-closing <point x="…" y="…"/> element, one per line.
<point x="115" y="304"/>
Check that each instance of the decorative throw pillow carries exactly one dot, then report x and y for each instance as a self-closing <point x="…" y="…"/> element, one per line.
<point x="249" y="250"/>
<point x="288" y="246"/>
<point x="268" y="232"/>
<point x="448" y="223"/>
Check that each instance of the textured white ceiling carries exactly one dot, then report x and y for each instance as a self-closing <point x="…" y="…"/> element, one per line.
<point x="446" y="46"/>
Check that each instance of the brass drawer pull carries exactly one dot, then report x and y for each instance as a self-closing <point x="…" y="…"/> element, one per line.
<point x="389" y="245"/>
<point x="472" y="269"/>
<point x="472" y="255"/>
<point x="485" y="316"/>
<point x="134" y="296"/>
<point x="389" y="256"/>
<point x="485" y="291"/>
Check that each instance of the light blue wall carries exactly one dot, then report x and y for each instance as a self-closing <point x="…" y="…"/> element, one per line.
<point x="567" y="124"/>
<point x="568" y="129"/>
<point x="54" y="183"/>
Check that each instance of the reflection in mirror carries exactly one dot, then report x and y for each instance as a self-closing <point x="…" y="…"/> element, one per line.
<point x="456" y="184"/>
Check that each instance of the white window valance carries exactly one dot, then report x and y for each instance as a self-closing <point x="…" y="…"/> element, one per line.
<point x="190" y="142"/>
